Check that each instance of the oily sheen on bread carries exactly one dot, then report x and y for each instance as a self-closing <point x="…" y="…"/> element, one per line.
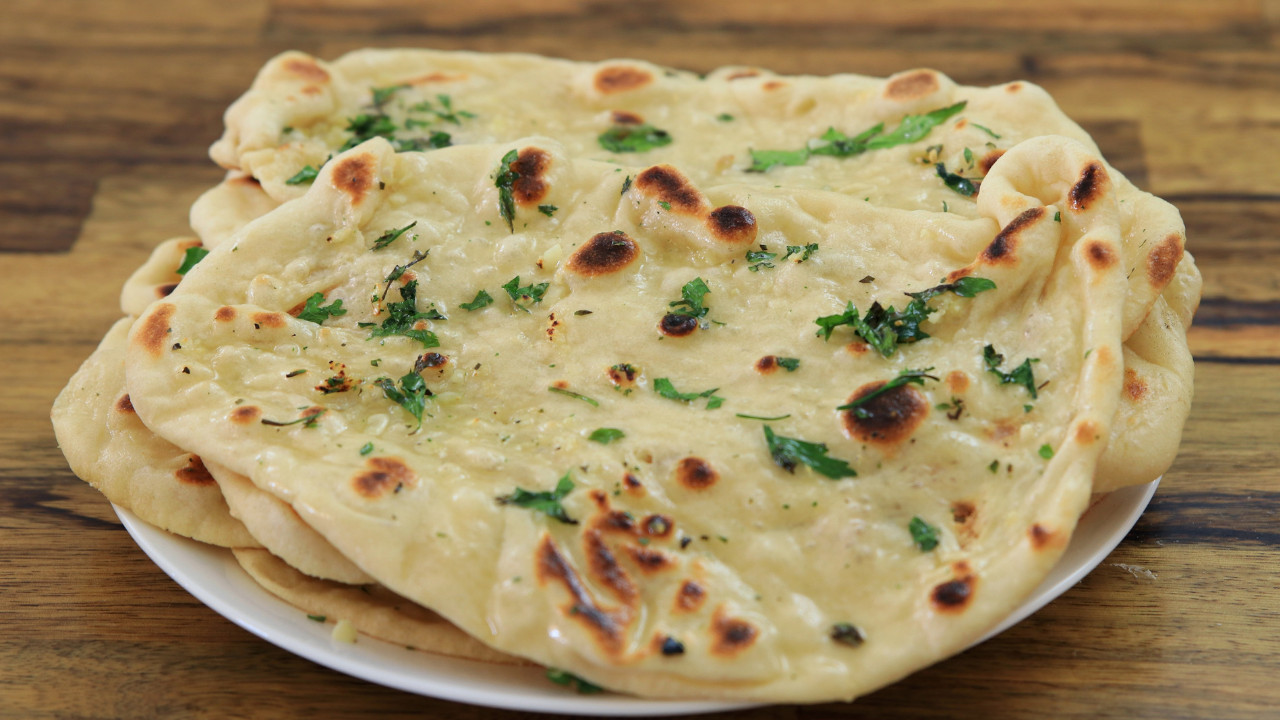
<point x="717" y="545"/>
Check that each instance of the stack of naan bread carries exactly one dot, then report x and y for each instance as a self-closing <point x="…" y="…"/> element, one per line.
<point x="613" y="368"/>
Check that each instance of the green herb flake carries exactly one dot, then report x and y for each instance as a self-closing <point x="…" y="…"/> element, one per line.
<point x="1021" y="375"/>
<point x="745" y="416"/>
<point x="914" y="377"/>
<point x="968" y="157"/>
<point x="664" y="204"/>
<point x="294" y="373"/>
<point x="884" y="329"/>
<point x="192" y="256"/>
<point x="548" y="210"/>
<point x="317" y="618"/>
<point x="1057" y="216"/>
<point x="411" y="395"/>
<point x="305" y="175"/>
<point x="663" y="387"/>
<point x="483" y="299"/>
<point x="986" y="130"/>
<point x="924" y="535"/>
<point x="576" y="396"/>
<point x="366" y="448"/>
<point x="915" y="127"/>
<point x="789" y="363"/>
<point x="960" y="184"/>
<point x="505" y="180"/>
<point x="724" y="117"/>
<point x="314" y="312"/>
<point x="604" y="436"/>
<point x="310" y="419"/>
<point x="789" y="452"/>
<point x="691" y="296"/>
<point x="403" y="316"/>
<point x="762" y="160"/>
<point x="633" y="138"/>
<point x="994" y="467"/>
<point x="531" y="293"/>
<point x="367" y="126"/>
<point x="381" y="96"/>
<point x="1046" y="452"/>
<point x="626" y="185"/>
<point x="760" y="258"/>
<point x="804" y="251"/>
<point x="562" y="677"/>
<point x="391" y="236"/>
<point x="546" y="502"/>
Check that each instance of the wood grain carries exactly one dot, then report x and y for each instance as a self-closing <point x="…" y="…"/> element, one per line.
<point x="106" y="113"/>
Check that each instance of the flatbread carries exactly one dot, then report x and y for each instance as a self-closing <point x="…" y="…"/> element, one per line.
<point x="374" y="610"/>
<point x="108" y="447"/>
<point x="279" y="529"/>
<point x="299" y="110"/>
<point x="698" y="565"/>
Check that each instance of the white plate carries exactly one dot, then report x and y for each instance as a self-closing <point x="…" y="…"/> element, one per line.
<point x="215" y="578"/>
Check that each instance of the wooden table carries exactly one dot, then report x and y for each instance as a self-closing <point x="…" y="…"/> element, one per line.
<point x="106" y="111"/>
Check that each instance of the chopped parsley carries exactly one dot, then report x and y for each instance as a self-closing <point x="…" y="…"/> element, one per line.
<point x="690" y="302"/>
<point x="366" y="448"/>
<point x="664" y="204"/>
<point x="986" y="130"/>
<point x="626" y="185"/>
<point x="367" y="126"/>
<point x="745" y="416"/>
<point x="532" y="293"/>
<point x="960" y="184"/>
<point x="914" y="377"/>
<point x="923" y="534"/>
<point x="316" y="313"/>
<point x="633" y="138"/>
<point x="790" y="452"/>
<point x="762" y="160"/>
<point x="994" y="467"/>
<point x="576" y="396"/>
<point x="317" y="618"/>
<point x="663" y="387"/>
<point x="790" y="364"/>
<point x="547" y="502"/>
<point x="411" y="395"/>
<point x="505" y="180"/>
<point x="190" y="257"/>
<point x="391" y="236"/>
<point x="310" y="419"/>
<point x="724" y="117"/>
<point x="448" y="114"/>
<point x="562" y="677"/>
<point x="1046" y="451"/>
<point x="403" y="316"/>
<point x="1021" y="375"/>
<point x="548" y="210"/>
<point x="483" y="299"/>
<point x="884" y="329"/>
<point x="760" y="258"/>
<point x="834" y="143"/>
<point x="604" y="436"/>
<point x="381" y="96"/>
<point x="804" y="251"/>
<point x="305" y="175"/>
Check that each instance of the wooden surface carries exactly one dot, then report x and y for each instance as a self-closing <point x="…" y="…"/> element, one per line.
<point x="106" y="111"/>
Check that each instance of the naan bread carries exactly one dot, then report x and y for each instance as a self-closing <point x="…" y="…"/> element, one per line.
<point x="108" y="447"/>
<point x="299" y="112"/>
<point x="697" y="565"/>
<point x="279" y="529"/>
<point x="375" y="611"/>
